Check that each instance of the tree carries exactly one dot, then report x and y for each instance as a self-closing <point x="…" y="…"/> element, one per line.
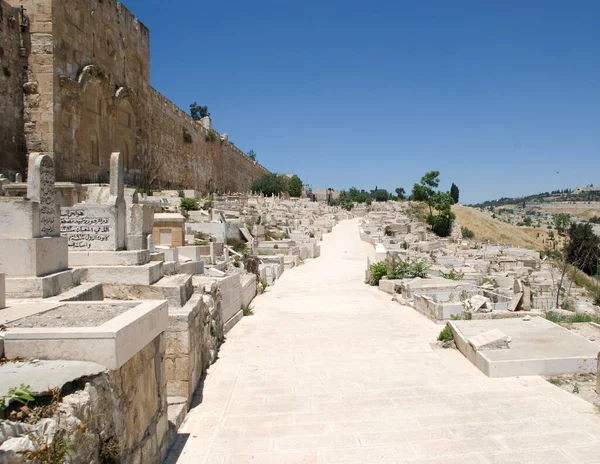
<point x="252" y="155"/>
<point x="454" y="192"/>
<point x="295" y="186"/>
<point x="269" y="184"/>
<point x="583" y="248"/>
<point x="380" y="194"/>
<point x="424" y="191"/>
<point x="401" y="193"/>
<point x="441" y="223"/>
<point x="562" y="222"/>
<point x="198" y="112"/>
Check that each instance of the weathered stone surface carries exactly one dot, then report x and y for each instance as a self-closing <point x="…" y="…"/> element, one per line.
<point x="491" y="340"/>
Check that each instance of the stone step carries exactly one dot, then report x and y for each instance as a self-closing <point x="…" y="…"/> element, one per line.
<point x="176" y="289"/>
<point x="87" y="291"/>
<point x="176" y="411"/>
<point x="146" y="274"/>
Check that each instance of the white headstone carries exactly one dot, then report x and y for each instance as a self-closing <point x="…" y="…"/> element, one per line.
<point x="18" y="177"/>
<point x="40" y="188"/>
<point x="150" y="241"/>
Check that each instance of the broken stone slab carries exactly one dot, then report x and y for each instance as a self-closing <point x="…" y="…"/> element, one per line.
<point x="515" y="302"/>
<point x="216" y="273"/>
<point x="491" y="340"/>
<point x="42" y="376"/>
<point x="481" y="303"/>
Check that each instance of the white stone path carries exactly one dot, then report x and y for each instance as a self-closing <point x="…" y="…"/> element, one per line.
<point x="330" y="370"/>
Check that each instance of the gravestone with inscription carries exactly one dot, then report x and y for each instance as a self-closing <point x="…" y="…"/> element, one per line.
<point x="98" y="227"/>
<point x="30" y="241"/>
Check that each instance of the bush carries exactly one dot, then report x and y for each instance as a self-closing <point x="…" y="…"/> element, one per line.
<point x="238" y="245"/>
<point x="397" y="268"/>
<point x="189" y="204"/>
<point x="452" y="275"/>
<point x="377" y="271"/>
<point x="467" y="233"/>
<point x="446" y="335"/>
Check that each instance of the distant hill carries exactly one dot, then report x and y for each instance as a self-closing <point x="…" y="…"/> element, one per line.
<point x="488" y="228"/>
<point x="589" y="193"/>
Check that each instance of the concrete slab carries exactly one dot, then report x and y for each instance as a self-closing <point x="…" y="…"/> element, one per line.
<point x="41" y="376"/>
<point x="537" y="347"/>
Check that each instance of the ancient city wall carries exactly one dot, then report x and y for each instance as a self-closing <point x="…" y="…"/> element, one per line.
<point x="87" y="94"/>
<point x="12" y="143"/>
<point x="184" y="155"/>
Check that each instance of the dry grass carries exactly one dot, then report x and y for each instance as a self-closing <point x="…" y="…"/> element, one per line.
<point x="487" y="228"/>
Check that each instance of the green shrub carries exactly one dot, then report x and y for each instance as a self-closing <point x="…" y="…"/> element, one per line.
<point x="453" y="274"/>
<point x="377" y="271"/>
<point x="488" y="280"/>
<point x="189" y="204"/>
<point x="559" y="318"/>
<point x="445" y="335"/>
<point x="247" y="310"/>
<point x="397" y="268"/>
<point x="467" y="233"/>
<point x="238" y="245"/>
<point x="181" y="193"/>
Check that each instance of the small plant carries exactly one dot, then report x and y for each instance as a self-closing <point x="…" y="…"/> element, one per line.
<point x="181" y="193"/>
<point x="555" y="381"/>
<point x="238" y="245"/>
<point x="276" y="247"/>
<point x="559" y="318"/>
<point x="453" y="274"/>
<point x="376" y="272"/>
<point x="247" y="310"/>
<point x="467" y="233"/>
<point x="263" y="284"/>
<point x="187" y="137"/>
<point x="211" y="136"/>
<point x="21" y="394"/>
<point x="576" y="388"/>
<point x="568" y="304"/>
<point x="445" y="335"/>
<point x="397" y="268"/>
<point x="311" y="235"/>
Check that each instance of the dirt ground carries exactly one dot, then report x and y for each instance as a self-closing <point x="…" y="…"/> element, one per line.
<point x="73" y="315"/>
<point x="582" y="385"/>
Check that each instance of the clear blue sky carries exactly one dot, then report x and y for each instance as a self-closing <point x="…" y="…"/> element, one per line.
<point x="502" y="97"/>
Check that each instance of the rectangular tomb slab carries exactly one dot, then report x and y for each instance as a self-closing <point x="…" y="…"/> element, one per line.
<point x="107" y="333"/>
<point x="537" y="347"/>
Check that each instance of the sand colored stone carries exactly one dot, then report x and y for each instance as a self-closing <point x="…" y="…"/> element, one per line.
<point x="330" y="370"/>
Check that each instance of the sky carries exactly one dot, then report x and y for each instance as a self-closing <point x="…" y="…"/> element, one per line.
<point x="501" y="97"/>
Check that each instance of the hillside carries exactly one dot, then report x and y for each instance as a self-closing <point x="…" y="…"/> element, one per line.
<point x="485" y="227"/>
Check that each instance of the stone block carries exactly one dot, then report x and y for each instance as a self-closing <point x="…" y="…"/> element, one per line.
<point x="491" y="340"/>
<point x="35" y="257"/>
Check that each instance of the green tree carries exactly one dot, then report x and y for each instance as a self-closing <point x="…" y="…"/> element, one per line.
<point x="562" y="222"/>
<point x="252" y="155"/>
<point x="424" y="190"/>
<point x="401" y="193"/>
<point x="441" y="223"/>
<point x="295" y="186"/>
<point x="197" y="112"/>
<point x="454" y="192"/>
<point x="380" y="194"/>
<point x="269" y="184"/>
<point x="583" y="248"/>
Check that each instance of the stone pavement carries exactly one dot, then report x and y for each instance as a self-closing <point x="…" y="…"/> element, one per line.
<point x="329" y="370"/>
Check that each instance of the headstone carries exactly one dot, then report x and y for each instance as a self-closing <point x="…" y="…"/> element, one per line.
<point x="150" y="241"/>
<point x="40" y="188"/>
<point x="213" y="255"/>
<point x="491" y="340"/>
<point x="99" y="227"/>
<point x="18" y="177"/>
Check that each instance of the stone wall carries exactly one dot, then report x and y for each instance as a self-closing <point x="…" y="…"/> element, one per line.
<point x="116" y="416"/>
<point x="12" y="142"/>
<point x="87" y="94"/>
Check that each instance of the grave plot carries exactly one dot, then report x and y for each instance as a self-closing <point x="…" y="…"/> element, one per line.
<point x="101" y="332"/>
<point x="528" y="346"/>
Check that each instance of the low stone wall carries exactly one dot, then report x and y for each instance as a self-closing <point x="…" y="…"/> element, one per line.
<point x="116" y="416"/>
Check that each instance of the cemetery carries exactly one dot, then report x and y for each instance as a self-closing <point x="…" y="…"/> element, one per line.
<point x="103" y="282"/>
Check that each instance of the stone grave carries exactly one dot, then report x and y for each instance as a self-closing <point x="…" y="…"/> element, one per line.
<point x="33" y="254"/>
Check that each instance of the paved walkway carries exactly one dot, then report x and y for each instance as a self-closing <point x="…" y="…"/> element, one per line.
<point x="330" y="370"/>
